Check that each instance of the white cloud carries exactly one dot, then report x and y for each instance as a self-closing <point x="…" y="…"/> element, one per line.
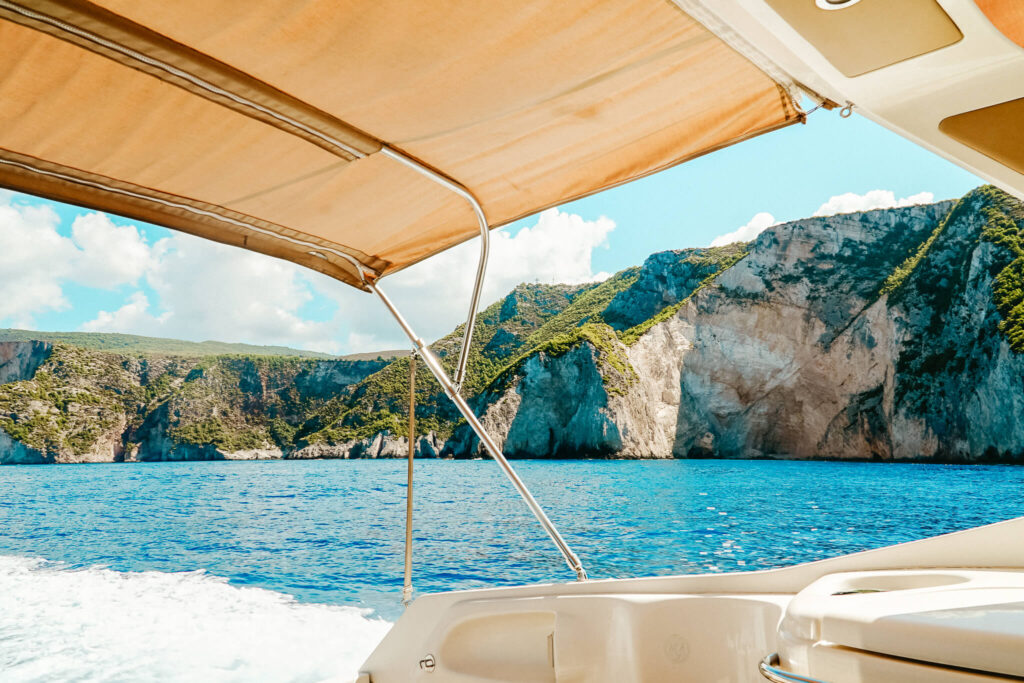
<point x="843" y="203"/>
<point x="111" y="255"/>
<point x="758" y="224"/>
<point x="875" y="199"/>
<point x="196" y="289"/>
<point x="210" y="291"/>
<point x="133" y="317"/>
<point x="207" y="290"/>
<point x="434" y="294"/>
<point x="34" y="260"/>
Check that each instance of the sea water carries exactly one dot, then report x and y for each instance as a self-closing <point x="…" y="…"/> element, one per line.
<point x="292" y="570"/>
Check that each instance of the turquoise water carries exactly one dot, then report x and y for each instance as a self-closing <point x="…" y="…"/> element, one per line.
<point x="290" y="547"/>
<point x="332" y="531"/>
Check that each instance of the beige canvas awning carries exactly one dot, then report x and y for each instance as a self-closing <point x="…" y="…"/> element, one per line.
<point x="262" y="124"/>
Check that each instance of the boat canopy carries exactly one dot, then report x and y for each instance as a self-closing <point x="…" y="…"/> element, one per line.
<point x="280" y="126"/>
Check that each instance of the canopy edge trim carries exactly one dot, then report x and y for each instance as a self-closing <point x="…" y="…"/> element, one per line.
<point x="139" y="48"/>
<point x="57" y="182"/>
<point x="704" y="16"/>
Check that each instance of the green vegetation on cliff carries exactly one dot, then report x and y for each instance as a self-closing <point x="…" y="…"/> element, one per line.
<point x="130" y="343"/>
<point x="583" y="320"/>
<point x="137" y="401"/>
<point x="82" y="401"/>
<point x="903" y="271"/>
<point x="380" y="402"/>
<point x="977" y="247"/>
<point x="580" y="322"/>
<point x="718" y="260"/>
<point x="214" y="432"/>
<point x="586" y="308"/>
<point x="1005" y="227"/>
<point x="74" y="397"/>
<point x="616" y="372"/>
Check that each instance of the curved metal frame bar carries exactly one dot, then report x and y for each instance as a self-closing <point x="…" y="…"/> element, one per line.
<point x="769" y="668"/>
<point x="453" y="389"/>
<point x="434" y="365"/>
<point x="485" y="248"/>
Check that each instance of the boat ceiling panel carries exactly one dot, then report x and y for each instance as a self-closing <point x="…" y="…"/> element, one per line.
<point x="268" y="118"/>
<point x="870" y="34"/>
<point x="911" y="97"/>
<point x="996" y="131"/>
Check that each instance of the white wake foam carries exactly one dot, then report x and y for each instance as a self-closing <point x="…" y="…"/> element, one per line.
<point x="95" y="624"/>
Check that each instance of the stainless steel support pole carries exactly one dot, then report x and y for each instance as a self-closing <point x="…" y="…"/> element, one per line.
<point x="407" y="584"/>
<point x="453" y="388"/>
<point x="434" y="365"/>
<point x="485" y="247"/>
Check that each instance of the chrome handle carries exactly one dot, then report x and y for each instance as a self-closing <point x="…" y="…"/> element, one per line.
<point x="769" y="668"/>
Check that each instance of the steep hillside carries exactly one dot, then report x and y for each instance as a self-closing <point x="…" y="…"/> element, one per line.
<point x="895" y="334"/>
<point x="66" y="404"/>
<point x="373" y="419"/>
<point x="883" y="335"/>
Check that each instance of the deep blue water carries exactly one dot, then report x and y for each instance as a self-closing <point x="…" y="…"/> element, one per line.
<point x="332" y="531"/>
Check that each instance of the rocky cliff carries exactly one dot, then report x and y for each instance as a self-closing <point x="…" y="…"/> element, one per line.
<point x="894" y="335"/>
<point x="61" y="403"/>
<point x="891" y="335"/>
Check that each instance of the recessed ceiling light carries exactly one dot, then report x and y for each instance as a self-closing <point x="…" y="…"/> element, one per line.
<point x="835" y="4"/>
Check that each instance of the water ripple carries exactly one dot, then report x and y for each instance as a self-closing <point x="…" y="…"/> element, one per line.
<point x="332" y="531"/>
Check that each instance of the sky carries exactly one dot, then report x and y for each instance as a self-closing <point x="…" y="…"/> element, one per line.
<point x="63" y="268"/>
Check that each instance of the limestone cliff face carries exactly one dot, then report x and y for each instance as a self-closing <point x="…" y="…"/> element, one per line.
<point x="20" y="360"/>
<point x="558" y="408"/>
<point x="14" y="452"/>
<point x="790" y="347"/>
<point x="863" y="336"/>
<point x="920" y="372"/>
<point x="561" y="407"/>
<point x="36" y="406"/>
